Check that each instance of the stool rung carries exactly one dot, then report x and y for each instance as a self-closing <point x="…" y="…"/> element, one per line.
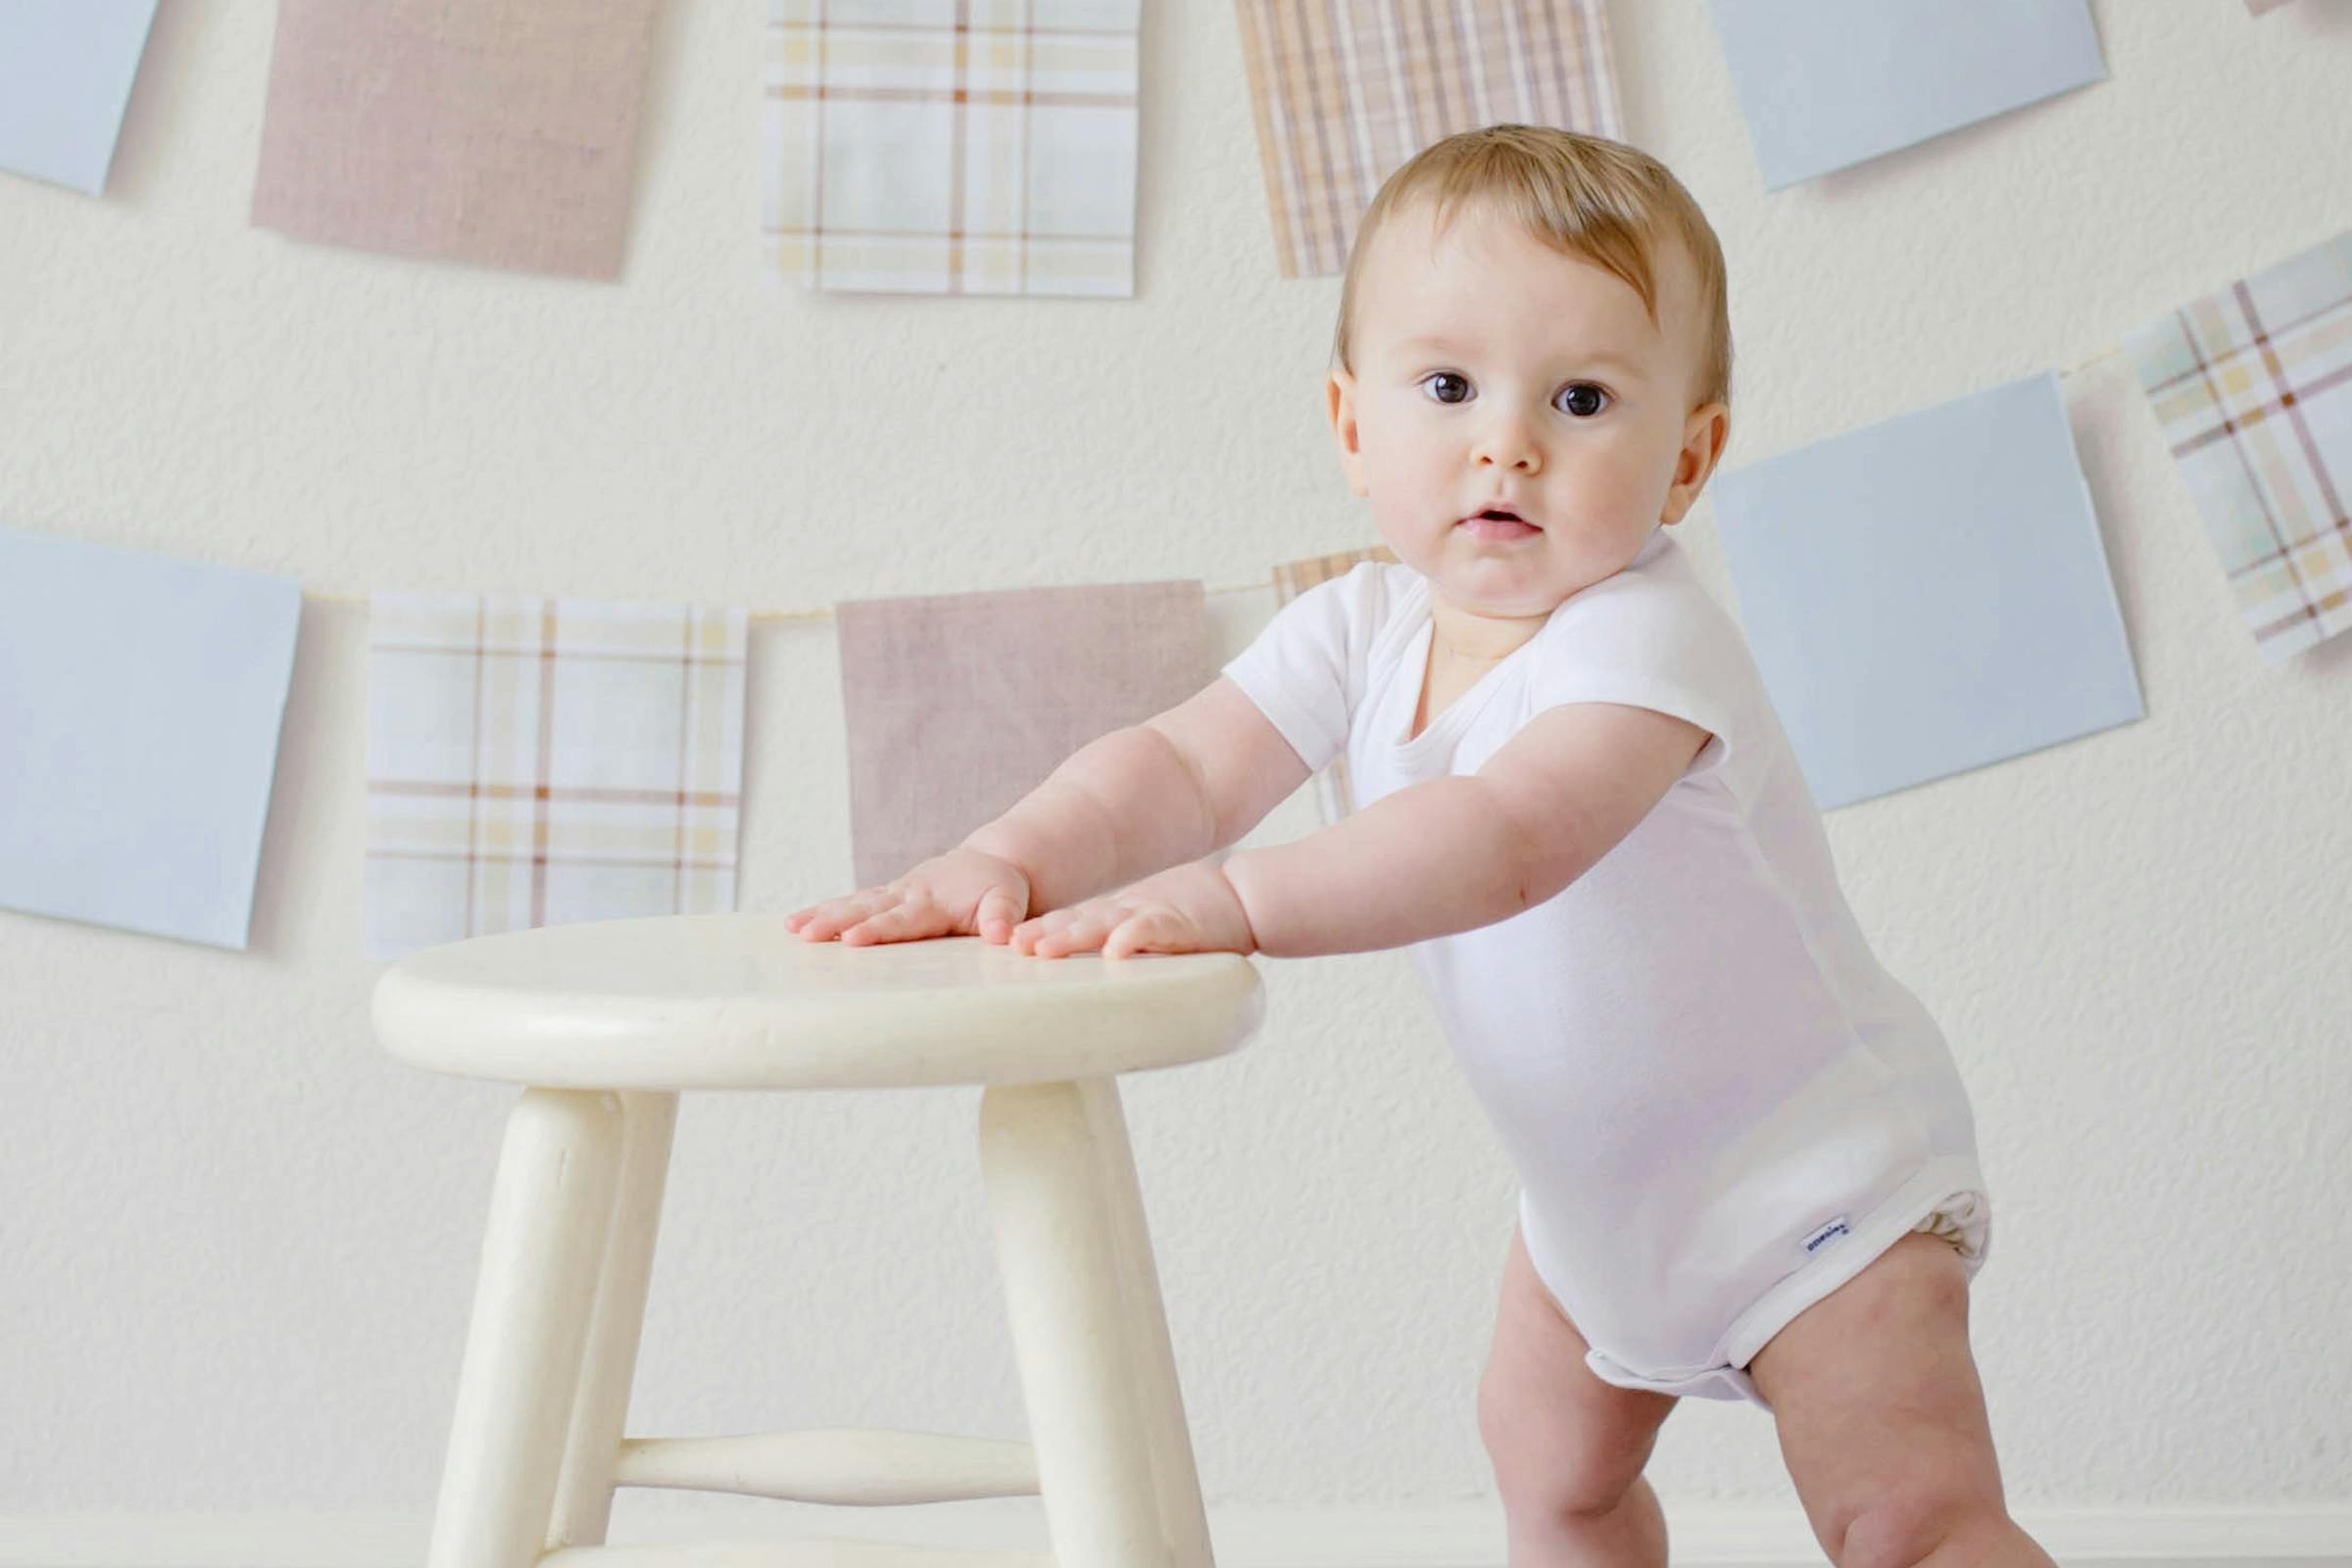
<point x="812" y="1551"/>
<point x="854" y="1465"/>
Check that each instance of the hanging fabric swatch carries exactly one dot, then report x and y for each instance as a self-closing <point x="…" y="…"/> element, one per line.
<point x="951" y="146"/>
<point x="1833" y="82"/>
<point x="958" y="706"/>
<point x="1334" y="797"/>
<point x="66" y="70"/>
<point x="1929" y="594"/>
<point x="141" y="698"/>
<point x="1345" y="91"/>
<point x="2253" y="387"/>
<point x="501" y="132"/>
<point x="534" y="762"/>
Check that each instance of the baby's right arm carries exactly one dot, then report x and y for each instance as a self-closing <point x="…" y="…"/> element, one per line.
<point x="1174" y="788"/>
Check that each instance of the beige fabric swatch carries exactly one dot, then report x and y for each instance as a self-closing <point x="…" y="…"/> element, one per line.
<point x="957" y="705"/>
<point x="1344" y="91"/>
<point x="502" y="132"/>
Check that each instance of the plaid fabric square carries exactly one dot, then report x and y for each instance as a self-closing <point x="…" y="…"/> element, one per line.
<point x="951" y="146"/>
<point x="958" y="706"/>
<point x="501" y="132"/>
<point x="1344" y="91"/>
<point x="535" y="762"/>
<point x="1334" y="797"/>
<point x="2253" y="387"/>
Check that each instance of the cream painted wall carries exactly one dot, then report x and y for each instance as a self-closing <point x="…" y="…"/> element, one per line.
<point x="236" y="1243"/>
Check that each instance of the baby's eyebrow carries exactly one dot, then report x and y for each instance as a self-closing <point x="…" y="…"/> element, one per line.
<point x="1608" y="357"/>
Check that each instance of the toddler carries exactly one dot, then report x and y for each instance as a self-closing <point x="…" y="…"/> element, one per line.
<point x="1747" y="1163"/>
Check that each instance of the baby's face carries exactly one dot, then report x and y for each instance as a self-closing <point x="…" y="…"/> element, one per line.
<point x="1493" y="370"/>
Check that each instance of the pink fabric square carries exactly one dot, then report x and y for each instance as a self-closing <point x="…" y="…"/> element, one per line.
<point x="957" y="705"/>
<point x="502" y="132"/>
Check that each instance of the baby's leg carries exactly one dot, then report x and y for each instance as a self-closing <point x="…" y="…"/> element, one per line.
<point x="1883" y="1423"/>
<point x="1567" y="1447"/>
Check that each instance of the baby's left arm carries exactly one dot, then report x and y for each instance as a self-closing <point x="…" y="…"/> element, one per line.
<point x="1462" y="852"/>
<point x="1450" y="855"/>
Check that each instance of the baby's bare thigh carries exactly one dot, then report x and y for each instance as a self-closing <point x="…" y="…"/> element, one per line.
<point x="1560" y="1438"/>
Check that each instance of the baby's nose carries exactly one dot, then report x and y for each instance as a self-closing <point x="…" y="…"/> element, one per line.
<point x="1521" y="455"/>
<point x="1509" y="443"/>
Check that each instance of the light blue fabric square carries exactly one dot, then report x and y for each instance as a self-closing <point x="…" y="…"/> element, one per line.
<point x="1827" y="84"/>
<point x="66" y="70"/>
<point x="140" y="702"/>
<point x="1929" y="594"/>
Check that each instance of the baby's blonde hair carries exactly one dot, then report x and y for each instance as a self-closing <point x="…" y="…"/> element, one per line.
<point x="1588" y="196"/>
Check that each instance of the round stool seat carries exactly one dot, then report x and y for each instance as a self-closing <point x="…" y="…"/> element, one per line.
<point x="737" y="1001"/>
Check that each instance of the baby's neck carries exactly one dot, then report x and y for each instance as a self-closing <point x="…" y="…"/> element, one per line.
<point x="1469" y="637"/>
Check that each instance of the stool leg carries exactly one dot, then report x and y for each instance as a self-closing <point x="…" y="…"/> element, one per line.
<point x="600" y="1414"/>
<point x="1058" y="1256"/>
<point x="543" y="1249"/>
<point x="1183" y="1519"/>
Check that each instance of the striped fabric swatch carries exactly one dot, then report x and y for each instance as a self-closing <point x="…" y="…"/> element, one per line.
<point x="1334" y="797"/>
<point x="957" y="705"/>
<point x="951" y="146"/>
<point x="501" y="132"/>
<point x="1344" y="91"/>
<point x="534" y="762"/>
<point x="2253" y="387"/>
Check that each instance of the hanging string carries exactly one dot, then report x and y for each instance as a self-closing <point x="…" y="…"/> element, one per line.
<point x="815" y="612"/>
<point x="2103" y="355"/>
<point x="1261" y="585"/>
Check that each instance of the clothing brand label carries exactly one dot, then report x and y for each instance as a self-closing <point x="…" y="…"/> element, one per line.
<point x="1822" y="1237"/>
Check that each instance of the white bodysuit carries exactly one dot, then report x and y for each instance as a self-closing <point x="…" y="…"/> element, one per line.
<point x="1720" y="1107"/>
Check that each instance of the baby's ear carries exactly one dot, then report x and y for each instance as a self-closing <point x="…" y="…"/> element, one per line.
<point x="1338" y="402"/>
<point x="1704" y="434"/>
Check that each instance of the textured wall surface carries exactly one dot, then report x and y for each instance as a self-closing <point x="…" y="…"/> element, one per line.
<point x="236" y="1243"/>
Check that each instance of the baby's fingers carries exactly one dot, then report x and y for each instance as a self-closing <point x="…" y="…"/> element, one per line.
<point x="1026" y="937"/>
<point x="1079" y="930"/>
<point x="821" y="922"/>
<point x="1156" y="932"/>
<point x="997" y="915"/>
<point x="910" y="920"/>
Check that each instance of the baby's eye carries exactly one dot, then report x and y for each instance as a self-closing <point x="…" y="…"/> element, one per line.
<point x="1581" y="399"/>
<point x="1444" y="378"/>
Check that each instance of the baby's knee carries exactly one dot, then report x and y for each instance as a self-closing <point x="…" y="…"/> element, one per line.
<point x="1910" y="1524"/>
<point x="1552" y="1460"/>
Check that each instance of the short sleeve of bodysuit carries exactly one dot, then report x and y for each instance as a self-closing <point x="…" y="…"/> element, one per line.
<point x="1305" y="669"/>
<point x="1652" y="637"/>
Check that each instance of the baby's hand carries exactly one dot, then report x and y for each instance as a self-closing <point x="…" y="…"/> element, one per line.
<point x="1186" y="908"/>
<point x="961" y="893"/>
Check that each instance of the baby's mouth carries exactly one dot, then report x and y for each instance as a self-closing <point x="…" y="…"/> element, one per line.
<point x="1498" y="522"/>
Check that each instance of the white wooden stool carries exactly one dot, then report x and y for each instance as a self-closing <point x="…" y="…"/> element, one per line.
<point x="604" y="1023"/>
